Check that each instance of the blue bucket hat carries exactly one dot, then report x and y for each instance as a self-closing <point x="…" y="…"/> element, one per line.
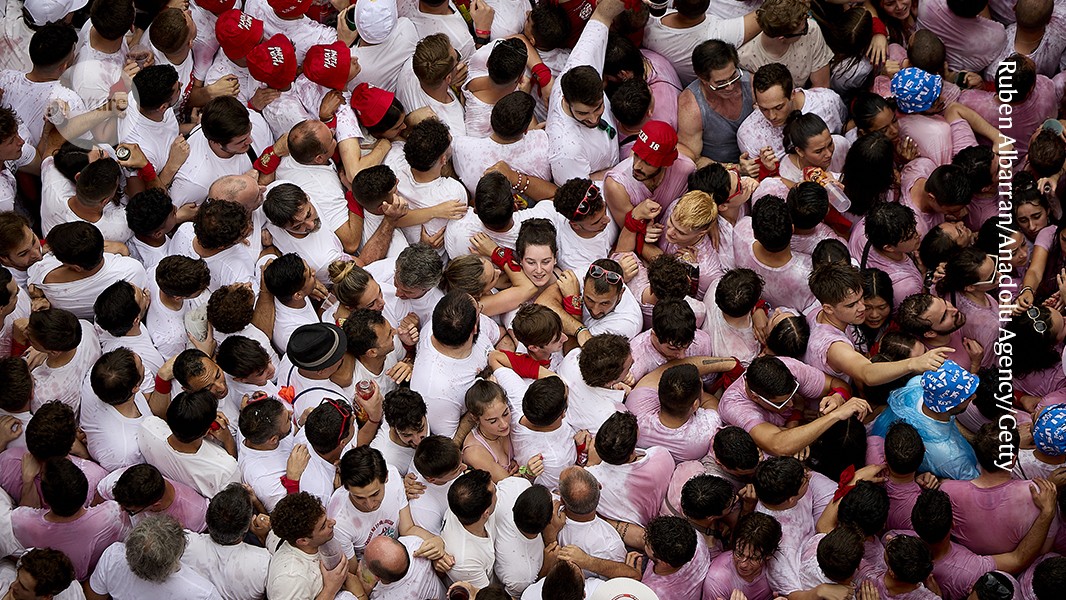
<point x="1049" y="430"/>
<point x="916" y="90"/>
<point x="948" y="387"/>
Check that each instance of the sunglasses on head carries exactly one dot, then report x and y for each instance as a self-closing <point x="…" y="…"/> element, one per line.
<point x="995" y="271"/>
<point x="598" y="272"/>
<point x="346" y="415"/>
<point x="1039" y="325"/>
<point x="585" y="206"/>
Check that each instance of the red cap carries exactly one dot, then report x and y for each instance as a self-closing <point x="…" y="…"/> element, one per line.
<point x="290" y="8"/>
<point x="656" y="144"/>
<point x="371" y="103"/>
<point x="274" y="62"/>
<point x="328" y="65"/>
<point x="216" y="6"/>
<point x="238" y="33"/>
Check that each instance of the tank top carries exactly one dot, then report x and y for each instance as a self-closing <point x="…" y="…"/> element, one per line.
<point x="721" y="144"/>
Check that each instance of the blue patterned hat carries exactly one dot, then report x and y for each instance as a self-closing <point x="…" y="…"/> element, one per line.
<point x="916" y="90"/>
<point x="948" y="387"/>
<point x="1049" y="430"/>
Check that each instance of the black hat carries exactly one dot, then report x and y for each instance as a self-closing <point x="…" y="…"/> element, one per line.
<point x="317" y="346"/>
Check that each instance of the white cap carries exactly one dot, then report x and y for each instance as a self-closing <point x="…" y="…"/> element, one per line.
<point x="375" y="20"/>
<point x="46" y="11"/>
<point x="623" y="588"/>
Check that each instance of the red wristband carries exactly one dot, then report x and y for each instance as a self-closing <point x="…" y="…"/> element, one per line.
<point x="504" y="257"/>
<point x="482" y="33"/>
<point x="267" y="162"/>
<point x="879" y="27"/>
<point x="291" y="487"/>
<point x="764" y="172"/>
<point x="18" y="349"/>
<point x="250" y="107"/>
<point x="542" y="74"/>
<point x="524" y="365"/>
<point x="147" y="173"/>
<point x="638" y="227"/>
<point x="845" y="394"/>
<point x="761" y="305"/>
<point x="572" y="305"/>
<point x="162" y="386"/>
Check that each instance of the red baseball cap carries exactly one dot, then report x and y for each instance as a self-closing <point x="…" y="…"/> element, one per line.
<point x="371" y="103"/>
<point x="238" y="33"/>
<point x="216" y="6"/>
<point x="290" y="8"/>
<point x="329" y="65"/>
<point x="274" y="62"/>
<point x="656" y="144"/>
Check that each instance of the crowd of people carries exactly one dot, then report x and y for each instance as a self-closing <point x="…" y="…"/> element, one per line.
<point x="561" y="299"/>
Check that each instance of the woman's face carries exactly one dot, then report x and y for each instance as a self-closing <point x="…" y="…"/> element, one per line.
<point x="959" y="233"/>
<point x="819" y="150"/>
<point x="496" y="420"/>
<point x="1019" y="250"/>
<point x="538" y="263"/>
<point x="489" y="274"/>
<point x="887" y="123"/>
<point x="877" y="311"/>
<point x="897" y="9"/>
<point x="1031" y="219"/>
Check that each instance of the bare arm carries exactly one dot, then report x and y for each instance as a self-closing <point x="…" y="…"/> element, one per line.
<point x="690" y="124"/>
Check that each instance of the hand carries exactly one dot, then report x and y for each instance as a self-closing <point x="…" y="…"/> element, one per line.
<point x="760" y="324"/>
<point x="1024" y="301"/>
<point x="973" y="80"/>
<point x="867" y="591"/>
<point x="400" y="372"/>
<point x="261" y="526"/>
<point x="263" y="97"/>
<point x="445" y="564"/>
<point x="647" y="210"/>
<point x="31" y="467"/>
<point x="974" y="349"/>
<point x="327" y="108"/>
<point x="482" y="244"/>
<point x="575" y="555"/>
<point x="408" y="329"/>
<point x="1044" y="495"/>
<point x="930" y="361"/>
<point x="830" y="403"/>
<point x="928" y="481"/>
<point x="396" y="209"/>
<point x="1060" y="279"/>
<point x="10" y="430"/>
<point x="222" y="431"/>
<point x="207" y="346"/>
<point x="635" y="560"/>
<point x="536" y="465"/>
<point x="436" y="240"/>
<point x="482" y="15"/>
<point x="856" y="407"/>
<point x="412" y="487"/>
<point x="768" y="158"/>
<point x="569" y="284"/>
<point x="450" y="209"/>
<point x="747" y="495"/>
<point x="802" y="454"/>
<point x="833" y="591"/>
<point x="431" y="549"/>
<point x="227" y="85"/>
<point x="179" y="153"/>
<point x="34" y="358"/>
<point x="906" y="148"/>
<point x="655" y="231"/>
<point x="298" y="459"/>
<point x="875" y="53"/>
<point x="502" y="168"/>
<point x="630" y="266"/>
<point x="748" y="166"/>
<point x="1048" y="185"/>
<point x="333" y="579"/>
<point x="622" y="387"/>
<point x="137" y="158"/>
<point x="871" y="473"/>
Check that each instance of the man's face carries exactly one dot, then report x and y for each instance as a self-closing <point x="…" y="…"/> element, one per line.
<point x="642" y="171"/>
<point x="599" y="305"/>
<point x="367" y="498"/>
<point x="386" y="338"/>
<point x="323" y="531"/>
<point x="594" y="223"/>
<point x="26" y="253"/>
<point x="11" y="148"/>
<point x="262" y="376"/>
<point x="24" y="587"/>
<point x="239" y="144"/>
<point x="413" y="438"/>
<point x="959" y="233"/>
<point x="680" y="235"/>
<point x="746" y="562"/>
<point x="212" y="379"/>
<point x="409" y="293"/>
<point x="556" y="345"/>
<point x="305" y="221"/>
<point x="669" y="350"/>
<point x="911" y="243"/>
<point x="284" y="425"/>
<point x="852" y="310"/>
<point x="726" y="81"/>
<point x="309" y="280"/>
<point x="774" y="105"/>
<point x="944" y="318"/>
<point x="538" y="263"/>
<point x="326" y="138"/>
<point x="587" y="115"/>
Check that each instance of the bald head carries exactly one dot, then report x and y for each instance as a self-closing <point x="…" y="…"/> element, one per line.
<point x="1033" y="14"/>
<point x="387" y="559"/>
<point x="242" y="189"/>
<point x="309" y="142"/>
<point x="579" y="491"/>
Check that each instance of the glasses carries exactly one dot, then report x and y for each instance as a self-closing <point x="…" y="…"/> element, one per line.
<point x="780" y="405"/>
<point x="346" y="415"/>
<point x="740" y="186"/>
<point x="1039" y="325"/>
<point x="598" y="272"/>
<point x="806" y="30"/>
<point x="585" y="206"/>
<point x="605" y="126"/>
<point x="721" y="86"/>
<point x="995" y="271"/>
<point x="133" y="513"/>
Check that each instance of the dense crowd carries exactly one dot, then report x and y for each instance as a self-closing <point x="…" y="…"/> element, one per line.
<point x="561" y="299"/>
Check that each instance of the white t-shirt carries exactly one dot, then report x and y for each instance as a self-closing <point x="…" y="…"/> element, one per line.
<point x="113" y="577"/>
<point x="318" y="248"/>
<point x="756" y="132"/>
<point x="29" y="99"/>
<point x="784" y="286"/>
<point x="288" y="320"/>
<point x="676" y="45"/>
<point x="153" y="137"/>
<point x="596" y="537"/>
<point x="453" y="25"/>
<point x="474" y="155"/>
<point x="556" y="447"/>
<point x="168" y="326"/>
<point x="112" y="223"/>
<point x="64" y="383"/>
<point x="420" y="581"/>
<point x="111" y="436"/>
<point x="518" y="558"/>
<point x="232" y="265"/>
<point x="443" y="381"/>
<point x="410" y="93"/>
<point x="207" y="471"/>
<point x="142" y="345"/>
<point x="204" y="167"/>
<point x="310" y="392"/>
<point x="238" y="571"/>
<point x="293" y="574"/>
<point x="457" y="236"/>
<point x="575" y="252"/>
<point x="354" y="528"/>
<point x="8" y="572"/>
<point x="262" y="469"/>
<point x="381" y="63"/>
<point x="79" y="296"/>
<point x="475" y="556"/>
<point x="427" y="195"/>
<point x="588" y="406"/>
<point x="427" y="510"/>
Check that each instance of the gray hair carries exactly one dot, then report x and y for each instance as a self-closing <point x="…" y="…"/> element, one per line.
<point x="419" y="266"/>
<point x="154" y="548"/>
<point x="229" y="515"/>
<point x="579" y="490"/>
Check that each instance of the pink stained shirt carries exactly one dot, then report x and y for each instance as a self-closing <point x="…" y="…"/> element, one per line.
<point x="707" y="257"/>
<point x="1009" y="503"/>
<point x="919" y="593"/>
<point x="901" y="499"/>
<point x="687" y="582"/>
<point x="1025" y="589"/>
<point x="937" y="140"/>
<point x="756" y="132"/>
<point x="11" y="475"/>
<point x="982" y="324"/>
<point x="82" y="540"/>
<point x="722" y="579"/>
<point x="691" y="441"/>
<point x="959" y="569"/>
<point x="1026" y="117"/>
<point x="783" y="286"/>
<point x="665" y="87"/>
<point x="646" y="358"/>
<point x="971" y="43"/>
<point x="737" y="409"/>
<point x="905" y="276"/>
<point x="727" y="340"/>
<point x="1047" y="55"/>
<point x="673" y="185"/>
<point x="919" y="168"/>
<point x="682" y="473"/>
<point x="188" y="508"/>
<point x="634" y="492"/>
<point x="822" y="337"/>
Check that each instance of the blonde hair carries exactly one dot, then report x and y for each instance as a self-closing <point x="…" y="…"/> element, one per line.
<point x="349" y="281"/>
<point x="465" y="274"/>
<point x="695" y="210"/>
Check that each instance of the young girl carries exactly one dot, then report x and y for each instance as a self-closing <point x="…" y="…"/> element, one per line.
<point x="878" y="297"/>
<point x="488" y="446"/>
<point x="353" y="288"/>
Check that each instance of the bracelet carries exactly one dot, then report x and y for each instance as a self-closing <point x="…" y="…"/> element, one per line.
<point x="579" y="330"/>
<point x="482" y="33"/>
<point x="353" y="204"/>
<point x="960" y="78"/>
<point x="163" y="386"/>
<point x="542" y="74"/>
<point x="504" y="257"/>
<point x="148" y="173"/>
<point x="572" y="306"/>
<point x="249" y="105"/>
<point x="267" y="162"/>
<point x="845" y="394"/>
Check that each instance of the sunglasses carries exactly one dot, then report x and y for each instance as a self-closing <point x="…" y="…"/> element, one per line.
<point x="585" y="206"/>
<point x="995" y="271"/>
<point x="346" y="416"/>
<point x="598" y="272"/>
<point x="740" y="186"/>
<point x="721" y="86"/>
<point x="806" y="30"/>
<point x="1039" y="325"/>
<point x="780" y="405"/>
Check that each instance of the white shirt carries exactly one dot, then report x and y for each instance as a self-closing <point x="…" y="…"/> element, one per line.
<point x="518" y="558"/>
<point x="238" y="571"/>
<point x="381" y="63"/>
<point x="399" y="457"/>
<point x="457" y="236"/>
<point x="8" y="572"/>
<point x="354" y="528"/>
<point x="64" y="383"/>
<point x="310" y="392"/>
<point x="453" y="25"/>
<point x="168" y="326"/>
<point x="112" y="223"/>
<point x="29" y="99"/>
<point x="207" y="471"/>
<point x="288" y="320"/>
<point x="575" y="252"/>
<point x="443" y="380"/>
<point x="384" y="272"/>
<point x="111" y="436"/>
<point x="153" y="137"/>
<point x="204" y="167"/>
<point x="474" y="155"/>
<point x="79" y="296"/>
<point x="756" y="132"/>
<point x="410" y="93"/>
<point x="474" y="555"/>
<point x="323" y="184"/>
<point x="588" y="406"/>
<point x="113" y="577"/>
<point x="263" y="469"/>
<point x="419" y="583"/>
<point x="142" y="345"/>
<point x="676" y="45"/>
<point x="319" y="248"/>
<point x="232" y="265"/>
<point x="427" y="510"/>
<point x="293" y="574"/>
<point x="596" y="537"/>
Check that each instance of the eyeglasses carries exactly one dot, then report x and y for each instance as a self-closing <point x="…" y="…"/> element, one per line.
<point x="995" y="271"/>
<point x="777" y="405"/>
<point x="1039" y="325"/>
<point x="605" y="126"/>
<point x="740" y="186"/>
<point x="133" y="513"/>
<point x="585" y="206"/>
<point x="806" y="30"/>
<point x="346" y="415"/>
<point x="721" y="86"/>
<point x="598" y="272"/>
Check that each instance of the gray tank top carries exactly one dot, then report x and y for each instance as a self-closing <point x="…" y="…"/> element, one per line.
<point x="720" y="133"/>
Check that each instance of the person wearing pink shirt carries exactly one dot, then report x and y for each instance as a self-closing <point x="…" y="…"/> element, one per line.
<point x="970" y="278"/>
<point x="731" y="313"/>
<point x="680" y="425"/>
<point x="1037" y="32"/>
<point x="679" y="560"/>
<point x="956" y="567"/>
<point x="972" y="40"/>
<point x="143" y="492"/>
<point x="634" y="483"/>
<point x="938" y="324"/>
<point x="763" y="244"/>
<point x="655" y="171"/>
<point x="756" y="539"/>
<point x="908" y="565"/>
<point x="935" y="193"/>
<point x="904" y="452"/>
<point x="1033" y="99"/>
<point x="673" y="336"/>
<point x="894" y="242"/>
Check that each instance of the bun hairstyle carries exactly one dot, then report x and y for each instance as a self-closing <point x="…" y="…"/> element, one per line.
<point x="349" y="281"/>
<point x="801" y="127"/>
